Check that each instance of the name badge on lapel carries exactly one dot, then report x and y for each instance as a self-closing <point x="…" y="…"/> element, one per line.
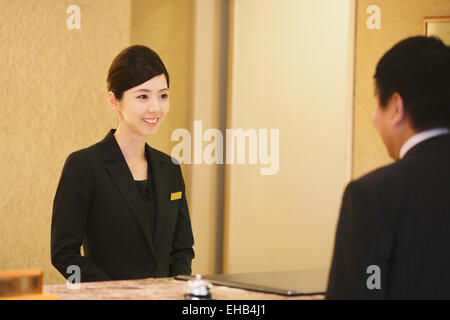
<point x="175" y="195"/>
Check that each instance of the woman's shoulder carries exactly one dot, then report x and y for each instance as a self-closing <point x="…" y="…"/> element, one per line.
<point x="162" y="156"/>
<point x="85" y="155"/>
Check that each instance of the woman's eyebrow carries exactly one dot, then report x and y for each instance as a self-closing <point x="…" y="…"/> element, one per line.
<point x="147" y="90"/>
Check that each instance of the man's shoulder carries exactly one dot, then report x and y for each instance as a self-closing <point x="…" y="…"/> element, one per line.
<point x="405" y="171"/>
<point x="382" y="176"/>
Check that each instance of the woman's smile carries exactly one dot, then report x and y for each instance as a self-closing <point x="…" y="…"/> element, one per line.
<point x="151" y="121"/>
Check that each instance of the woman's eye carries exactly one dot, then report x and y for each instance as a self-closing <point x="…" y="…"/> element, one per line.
<point x="164" y="96"/>
<point x="142" y="96"/>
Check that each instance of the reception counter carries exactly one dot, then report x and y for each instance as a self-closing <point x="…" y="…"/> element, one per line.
<point x="155" y="289"/>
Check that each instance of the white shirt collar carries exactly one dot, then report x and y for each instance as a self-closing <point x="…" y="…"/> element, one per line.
<point x="421" y="136"/>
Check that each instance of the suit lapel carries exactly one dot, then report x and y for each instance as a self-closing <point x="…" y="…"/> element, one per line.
<point x="162" y="192"/>
<point x="124" y="181"/>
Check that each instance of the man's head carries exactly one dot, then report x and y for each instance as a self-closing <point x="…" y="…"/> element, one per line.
<point x="412" y="85"/>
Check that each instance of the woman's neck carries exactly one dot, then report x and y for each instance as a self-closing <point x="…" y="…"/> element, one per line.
<point x="131" y="145"/>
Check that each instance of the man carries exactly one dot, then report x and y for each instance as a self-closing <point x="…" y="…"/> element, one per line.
<point x="393" y="234"/>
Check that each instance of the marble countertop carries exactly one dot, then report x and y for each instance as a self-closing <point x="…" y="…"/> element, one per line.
<point x="154" y="289"/>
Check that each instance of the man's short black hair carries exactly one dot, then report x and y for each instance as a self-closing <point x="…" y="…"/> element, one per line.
<point x="418" y="68"/>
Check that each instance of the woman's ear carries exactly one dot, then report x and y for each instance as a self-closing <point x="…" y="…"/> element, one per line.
<point x="113" y="102"/>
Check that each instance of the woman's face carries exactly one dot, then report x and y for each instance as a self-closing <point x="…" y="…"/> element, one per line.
<point x="144" y="107"/>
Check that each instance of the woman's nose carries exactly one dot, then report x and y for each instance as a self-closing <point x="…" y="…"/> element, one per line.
<point x="154" y="104"/>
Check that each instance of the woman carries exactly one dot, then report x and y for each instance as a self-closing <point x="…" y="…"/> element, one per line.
<point x="121" y="199"/>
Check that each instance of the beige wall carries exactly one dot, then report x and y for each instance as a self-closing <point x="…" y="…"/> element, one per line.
<point x="290" y="71"/>
<point x="53" y="101"/>
<point x="399" y="20"/>
<point x="209" y="67"/>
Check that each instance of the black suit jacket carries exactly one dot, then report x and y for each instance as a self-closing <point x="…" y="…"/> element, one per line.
<point x="98" y="205"/>
<point x="396" y="218"/>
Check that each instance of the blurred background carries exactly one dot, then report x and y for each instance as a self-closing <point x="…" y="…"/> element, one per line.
<point x="304" y="67"/>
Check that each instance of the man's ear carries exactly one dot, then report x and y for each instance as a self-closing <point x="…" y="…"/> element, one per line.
<point x="398" y="113"/>
<point x="113" y="102"/>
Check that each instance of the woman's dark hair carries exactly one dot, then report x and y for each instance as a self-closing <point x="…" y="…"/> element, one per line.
<point x="131" y="67"/>
<point x="418" y="68"/>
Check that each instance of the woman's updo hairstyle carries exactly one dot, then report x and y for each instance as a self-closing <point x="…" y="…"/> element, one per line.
<point x="131" y="67"/>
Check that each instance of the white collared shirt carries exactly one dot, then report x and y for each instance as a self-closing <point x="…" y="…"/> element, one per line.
<point x="421" y="136"/>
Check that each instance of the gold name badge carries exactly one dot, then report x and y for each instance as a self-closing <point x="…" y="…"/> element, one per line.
<point x="175" y="195"/>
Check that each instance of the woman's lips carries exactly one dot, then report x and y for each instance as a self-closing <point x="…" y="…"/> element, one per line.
<point x="151" y="122"/>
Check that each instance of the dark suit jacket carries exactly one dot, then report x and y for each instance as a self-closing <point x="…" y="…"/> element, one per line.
<point x="397" y="218"/>
<point x="97" y="204"/>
